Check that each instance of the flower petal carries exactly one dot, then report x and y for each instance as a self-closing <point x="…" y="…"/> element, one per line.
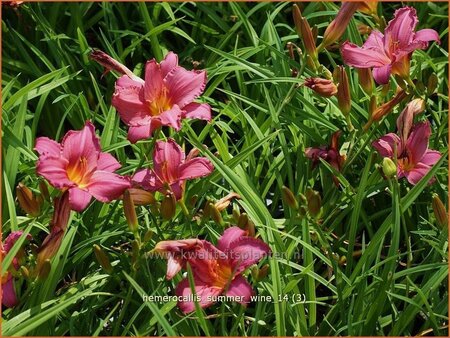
<point x="169" y="63"/>
<point x="11" y="239"/>
<point x="204" y="292"/>
<point x="386" y="144"/>
<point x="53" y="169"/>
<point x="239" y="287"/>
<point x="246" y="251"/>
<point x="374" y="41"/>
<point x="167" y="157"/>
<point x="79" y="199"/>
<point x="136" y="133"/>
<point x="197" y="167"/>
<point x="171" y="118"/>
<point x="426" y="35"/>
<point x="382" y="74"/>
<point x="201" y="111"/>
<point x="9" y="298"/>
<point x="229" y="236"/>
<point x="106" y="186"/>
<point x="400" y="30"/>
<point x="77" y="144"/>
<point x="147" y="179"/>
<point x="174" y="265"/>
<point x="153" y="81"/>
<point x="46" y="146"/>
<point x="415" y="175"/>
<point x="431" y="157"/>
<point x="107" y="162"/>
<point x="363" y="58"/>
<point x="130" y="103"/>
<point x="417" y="143"/>
<point x="184" y="85"/>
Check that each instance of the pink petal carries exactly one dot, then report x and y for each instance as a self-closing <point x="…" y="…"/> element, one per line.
<point x="202" y="290"/>
<point x="79" y="199"/>
<point x="177" y="189"/>
<point x="247" y="251"/>
<point x="426" y="35"/>
<point x="197" y="167"/>
<point x="184" y="85"/>
<point x="174" y="265"/>
<point x="136" y="133"/>
<point x="400" y="30"/>
<point x="171" y="118"/>
<point x="11" y="239"/>
<point x="167" y="157"/>
<point x="53" y="169"/>
<point x="431" y="157"/>
<point x="147" y="179"/>
<point x="385" y="145"/>
<point x="9" y="298"/>
<point x="406" y="117"/>
<point x="106" y="186"/>
<point x="417" y="143"/>
<point x="153" y="81"/>
<point x="363" y="58"/>
<point x="126" y="81"/>
<point x="46" y="146"/>
<point x="107" y="162"/>
<point x="81" y="143"/>
<point x="382" y="74"/>
<point x="415" y="175"/>
<point x="374" y="41"/>
<point x="130" y="103"/>
<point x="169" y="63"/>
<point x="201" y="111"/>
<point x="239" y="287"/>
<point x="229" y="236"/>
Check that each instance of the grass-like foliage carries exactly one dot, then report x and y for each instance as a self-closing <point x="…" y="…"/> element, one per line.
<point x="356" y="247"/>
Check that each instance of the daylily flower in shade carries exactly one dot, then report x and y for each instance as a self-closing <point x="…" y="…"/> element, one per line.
<point x="77" y="164"/>
<point x="323" y="87"/>
<point x="216" y="270"/>
<point x="390" y="52"/>
<point x="9" y="298"/>
<point x="164" y="98"/>
<point x="171" y="169"/>
<point x="410" y="147"/>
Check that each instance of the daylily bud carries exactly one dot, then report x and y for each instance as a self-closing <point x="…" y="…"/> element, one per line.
<point x="432" y="84"/>
<point x="304" y="32"/>
<point x="102" y="259"/>
<point x="111" y="64"/>
<point x="207" y="210"/>
<point x="216" y="215"/>
<point x="254" y="270"/>
<point x="310" y="62"/>
<point x="24" y="271"/>
<point x="130" y="211"/>
<point x="342" y="260"/>
<point x="193" y="200"/>
<point x="263" y="272"/>
<point x="366" y="80"/>
<point x="289" y="198"/>
<point x="343" y="93"/>
<point x="368" y="7"/>
<point x="439" y="211"/>
<point x="27" y="200"/>
<point x="297" y="14"/>
<point x="326" y="72"/>
<point x="44" y="190"/>
<point x="389" y="168"/>
<point x="148" y="235"/>
<point x="364" y="29"/>
<point x="338" y="26"/>
<point x="386" y="108"/>
<point x="135" y="248"/>
<point x="236" y="215"/>
<point x="314" y="202"/>
<point x="323" y="87"/>
<point x="44" y="270"/>
<point x="250" y="228"/>
<point x="224" y="202"/>
<point x="168" y="206"/>
<point x="141" y="196"/>
<point x="242" y="221"/>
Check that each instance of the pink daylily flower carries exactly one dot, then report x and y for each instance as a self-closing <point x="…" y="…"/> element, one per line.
<point x="77" y="164"/>
<point x="164" y="98"/>
<point x="216" y="270"/>
<point x="171" y="169"/>
<point x="9" y="298"/>
<point x="414" y="159"/>
<point x="391" y="52"/>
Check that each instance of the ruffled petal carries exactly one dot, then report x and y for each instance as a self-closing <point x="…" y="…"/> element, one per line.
<point x="171" y="118"/>
<point x="415" y="175"/>
<point x="246" y="251"/>
<point x="153" y="81"/>
<point x="205" y="295"/>
<point x="240" y="289"/>
<point x="169" y="63"/>
<point x="78" y="144"/>
<point x="386" y="144"/>
<point x="136" y="133"/>
<point x="53" y="169"/>
<point x="363" y="58"/>
<point x="374" y="41"/>
<point x="201" y="111"/>
<point x="197" y="167"/>
<point x="79" y="199"/>
<point x="167" y="157"/>
<point x="184" y="85"/>
<point x="46" y="146"/>
<point x="130" y="103"/>
<point x="426" y="35"/>
<point x="106" y="186"/>
<point x="107" y="162"/>
<point x="400" y="29"/>
<point x="229" y="236"/>
<point x="147" y="179"/>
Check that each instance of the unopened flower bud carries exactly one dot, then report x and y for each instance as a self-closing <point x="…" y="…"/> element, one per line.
<point x="141" y="196"/>
<point x="439" y="211"/>
<point x="216" y="216"/>
<point x="304" y="32"/>
<point x="389" y="167"/>
<point x="342" y="260"/>
<point x="193" y="200"/>
<point x="111" y="64"/>
<point x="135" y="248"/>
<point x="364" y="29"/>
<point x="28" y="201"/>
<point x="314" y="202"/>
<point x="148" y="235"/>
<point x="263" y="272"/>
<point x="224" y="202"/>
<point x="44" y="270"/>
<point x="366" y="80"/>
<point x="254" y="270"/>
<point x="323" y="87"/>
<point x="236" y="215"/>
<point x="102" y="259"/>
<point x="338" y="26"/>
<point x="130" y="211"/>
<point x="242" y="221"/>
<point x="289" y="198"/>
<point x="168" y="206"/>
<point x="343" y="92"/>
<point x="250" y="228"/>
<point x="44" y="190"/>
<point x="207" y="210"/>
<point x="24" y="271"/>
<point x="326" y="72"/>
<point x="432" y="84"/>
